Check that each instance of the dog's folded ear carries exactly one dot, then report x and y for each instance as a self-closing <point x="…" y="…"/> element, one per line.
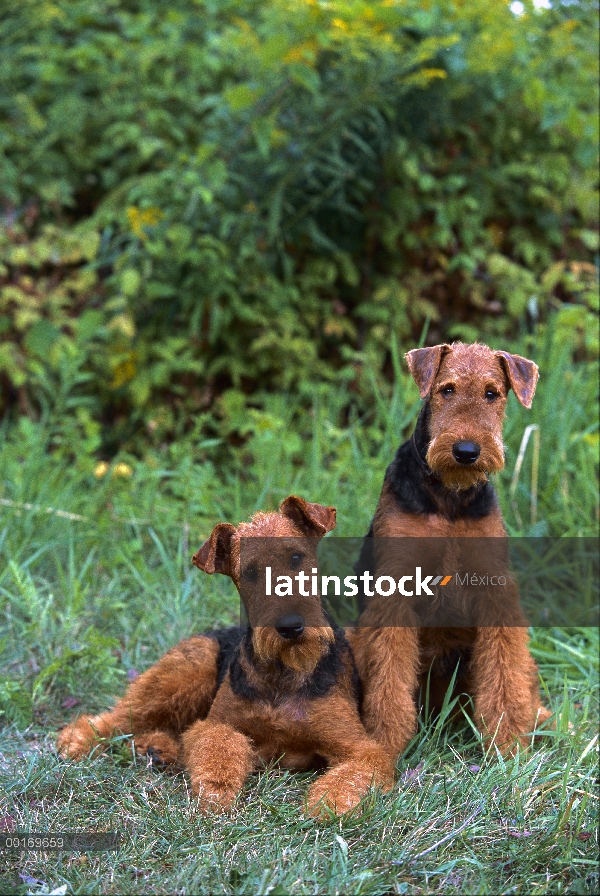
<point x="214" y="555"/>
<point x="314" y="519"/>
<point x="424" y="364"/>
<point x="522" y="375"/>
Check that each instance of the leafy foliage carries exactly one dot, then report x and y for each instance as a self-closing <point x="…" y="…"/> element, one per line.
<point x="253" y="196"/>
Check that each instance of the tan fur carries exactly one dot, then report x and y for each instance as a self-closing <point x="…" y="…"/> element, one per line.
<point x="394" y="655"/>
<point x="282" y="726"/>
<point x="301" y="658"/>
<point x="178" y="716"/>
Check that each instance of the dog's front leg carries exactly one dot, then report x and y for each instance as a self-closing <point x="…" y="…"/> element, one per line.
<point x="218" y="760"/>
<point x="505" y="687"/>
<point x="387" y="658"/>
<point x="357" y="762"/>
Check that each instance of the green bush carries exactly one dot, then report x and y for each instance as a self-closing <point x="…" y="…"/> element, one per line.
<point x="216" y="199"/>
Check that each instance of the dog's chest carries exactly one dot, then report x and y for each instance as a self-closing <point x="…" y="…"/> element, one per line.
<point x="285" y="718"/>
<point x="438" y="526"/>
<point x="281" y="728"/>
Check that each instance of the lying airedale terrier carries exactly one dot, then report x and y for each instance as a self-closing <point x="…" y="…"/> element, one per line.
<point x="437" y="490"/>
<point x="284" y="689"/>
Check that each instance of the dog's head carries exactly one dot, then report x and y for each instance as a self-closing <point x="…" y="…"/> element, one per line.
<point x="467" y="387"/>
<point x="273" y="562"/>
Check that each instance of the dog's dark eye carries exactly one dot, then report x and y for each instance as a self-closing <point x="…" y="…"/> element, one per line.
<point x="447" y="390"/>
<point x="491" y="395"/>
<point x="296" y="560"/>
<point x="250" y="573"/>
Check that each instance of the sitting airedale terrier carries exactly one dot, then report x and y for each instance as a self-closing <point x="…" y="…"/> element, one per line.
<point x="284" y="689"/>
<point x="436" y="495"/>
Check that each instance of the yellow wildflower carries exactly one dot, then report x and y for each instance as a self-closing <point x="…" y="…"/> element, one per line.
<point x="123" y="470"/>
<point x="139" y="218"/>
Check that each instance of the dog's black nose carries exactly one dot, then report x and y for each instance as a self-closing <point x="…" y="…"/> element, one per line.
<point x="290" y="627"/>
<point x="466" y="452"/>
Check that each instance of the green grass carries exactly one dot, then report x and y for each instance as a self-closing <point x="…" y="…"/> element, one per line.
<point x="84" y="601"/>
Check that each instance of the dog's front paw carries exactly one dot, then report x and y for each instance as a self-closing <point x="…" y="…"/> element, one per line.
<point x="341" y="789"/>
<point x="213" y="798"/>
<point x="513" y="738"/>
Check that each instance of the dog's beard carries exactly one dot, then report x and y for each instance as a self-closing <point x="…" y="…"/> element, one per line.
<point x="459" y="477"/>
<point x="300" y="655"/>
